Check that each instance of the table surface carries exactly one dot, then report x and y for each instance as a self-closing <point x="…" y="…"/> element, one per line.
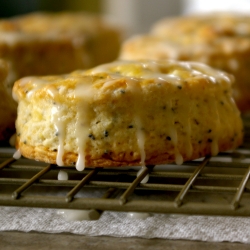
<point x="34" y="240"/>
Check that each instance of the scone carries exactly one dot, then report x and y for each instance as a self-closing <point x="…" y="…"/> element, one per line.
<point x="126" y="114"/>
<point x="220" y="40"/>
<point x="7" y="108"/>
<point x="56" y="43"/>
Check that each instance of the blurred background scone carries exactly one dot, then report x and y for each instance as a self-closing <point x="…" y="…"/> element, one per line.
<point x="7" y="108"/>
<point x="221" y="40"/>
<point x="127" y="114"/>
<point x="56" y="43"/>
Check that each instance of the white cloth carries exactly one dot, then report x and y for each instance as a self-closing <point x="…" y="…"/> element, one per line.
<point x="203" y="228"/>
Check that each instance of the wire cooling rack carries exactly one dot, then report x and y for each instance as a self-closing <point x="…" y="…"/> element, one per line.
<point x="210" y="186"/>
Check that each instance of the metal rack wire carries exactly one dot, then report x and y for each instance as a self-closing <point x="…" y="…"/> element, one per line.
<point x="210" y="186"/>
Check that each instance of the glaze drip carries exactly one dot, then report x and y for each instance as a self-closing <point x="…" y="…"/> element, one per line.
<point x="83" y="120"/>
<point x="135" y="88"/>
<point x="73" y="214"/>
<point x="17" y="155"/>
<point x="146" y="178"/>
<point x="62" y="175"/>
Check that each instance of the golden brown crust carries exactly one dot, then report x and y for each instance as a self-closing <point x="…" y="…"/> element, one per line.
<point x="41" y="153"/>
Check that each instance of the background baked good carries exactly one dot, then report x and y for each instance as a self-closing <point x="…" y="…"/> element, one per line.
<point x="220" y="40"/>
<point x="127" y="113"/>
<point x="56" y="43"/>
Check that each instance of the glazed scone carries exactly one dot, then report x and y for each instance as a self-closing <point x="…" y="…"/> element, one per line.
<point x="126" y="114"/>
<point x="221" y="40"/>
<point x="56" y="43"/>
<point x="7" y="108"/>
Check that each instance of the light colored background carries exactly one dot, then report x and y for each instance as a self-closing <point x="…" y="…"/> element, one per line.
<point x="138" y="15"/>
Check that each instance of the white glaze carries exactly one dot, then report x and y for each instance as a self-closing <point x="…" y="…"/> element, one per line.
<point x="73" y="214"/>
<point x="84" y="117"/>
<point x="17" y="155"/>
<point x="80" y="164"/>
<point x="178" y="157"/>
<point x="152" y="70"/>
<point x="138" y="215"/>
<point x="209" y="72"/>
<point x="79" y="215"/>
<point x="34" y="84"/>
<point x="135" y="88"/>
<point x="146" y="178"/>
<point x="62" y="175"/>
